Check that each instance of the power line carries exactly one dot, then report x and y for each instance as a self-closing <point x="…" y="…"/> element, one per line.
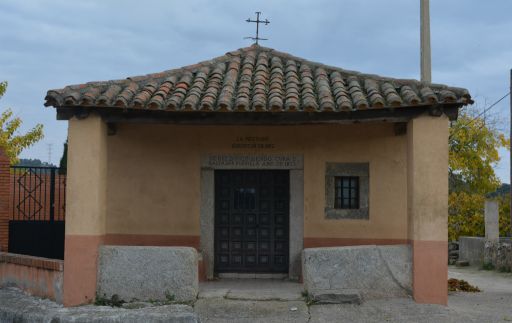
<point x="484" y="111"/>
<point x="487" y="109"/>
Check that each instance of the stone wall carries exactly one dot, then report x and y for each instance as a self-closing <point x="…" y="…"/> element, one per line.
<point x="472" y="250"/>
<point x="499" y="254"/>
<point x="146" y="273"/>
<point x="374" y="271"/>
<point x="38" y="276"/>
<point x="479" y="252"/>
<point x="453" y="252"/>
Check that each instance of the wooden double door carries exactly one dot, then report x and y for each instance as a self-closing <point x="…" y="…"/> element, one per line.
<point x="252" y="221"/>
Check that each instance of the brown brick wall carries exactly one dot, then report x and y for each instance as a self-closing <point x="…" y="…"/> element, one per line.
<point x="41" y="197"/>
<point x="5" y="185"/>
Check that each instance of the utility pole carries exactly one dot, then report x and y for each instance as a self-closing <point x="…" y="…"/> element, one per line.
<point x="426" y="67"/>
<point x="510" y="150"/>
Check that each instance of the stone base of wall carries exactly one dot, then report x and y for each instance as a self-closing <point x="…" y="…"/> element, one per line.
<point x="144" y="273"/>
<point x="499" y="254"/>
<point x="374" y="271"/>
<point x="471" y="249"/>
<point x="38" y="276"/>
<point x="479" y="252"/>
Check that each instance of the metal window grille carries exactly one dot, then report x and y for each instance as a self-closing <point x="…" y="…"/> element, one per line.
<point x="346" y="192"/>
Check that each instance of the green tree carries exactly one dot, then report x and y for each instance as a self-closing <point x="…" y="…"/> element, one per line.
<point x="29" y="162"/>
<point x="63" y="165"/>
<point x="504" y="217"/>
<point x="11" y="140"/>
<point x="474" y="145"/>
<point x="465" y="215"/>
<point x="474" y="148"/>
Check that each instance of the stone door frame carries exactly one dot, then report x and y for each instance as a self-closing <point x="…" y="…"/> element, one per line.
<point x="293" y="163"/>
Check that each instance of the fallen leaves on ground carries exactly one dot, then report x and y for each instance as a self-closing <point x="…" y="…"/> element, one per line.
<point x="459" y="285"/>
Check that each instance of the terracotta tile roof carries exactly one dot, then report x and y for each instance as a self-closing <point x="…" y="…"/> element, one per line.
<point x="257" y="79"/>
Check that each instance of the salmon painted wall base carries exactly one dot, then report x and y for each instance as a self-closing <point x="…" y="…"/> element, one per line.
<point x="37" y="276"/>
<point x="430" y="272"/>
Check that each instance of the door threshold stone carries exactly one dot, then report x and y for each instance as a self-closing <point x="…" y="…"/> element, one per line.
<point x="251" y="276"/>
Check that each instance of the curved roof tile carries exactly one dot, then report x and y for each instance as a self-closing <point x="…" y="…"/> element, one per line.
<point x="257" y="79"/>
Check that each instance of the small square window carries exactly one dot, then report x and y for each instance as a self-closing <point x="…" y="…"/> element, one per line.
<point x="346" y="192"/>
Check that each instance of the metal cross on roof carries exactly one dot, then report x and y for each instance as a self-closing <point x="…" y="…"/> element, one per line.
<point x="258" y="22"/>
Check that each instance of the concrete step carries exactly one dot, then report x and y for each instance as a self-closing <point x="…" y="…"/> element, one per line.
<point x="336" y="296"/>
<point x="251" y="290"/>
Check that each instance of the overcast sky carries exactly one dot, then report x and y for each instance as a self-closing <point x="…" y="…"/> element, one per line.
<point x="50" y="44"/>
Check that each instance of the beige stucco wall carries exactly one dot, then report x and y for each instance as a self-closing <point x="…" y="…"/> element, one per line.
<point x="153" y="175"/>
<point x="427" y="201"/>
<point x="86" y="181"/>
<point x="145" y="180"/>
<point x="428" y="178"/>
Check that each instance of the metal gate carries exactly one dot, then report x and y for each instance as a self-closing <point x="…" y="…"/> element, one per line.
<point x="251" y="221"/>
<point x="38" y="196"/>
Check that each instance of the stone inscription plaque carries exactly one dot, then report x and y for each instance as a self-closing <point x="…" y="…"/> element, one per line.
<point x="253" y="162"/>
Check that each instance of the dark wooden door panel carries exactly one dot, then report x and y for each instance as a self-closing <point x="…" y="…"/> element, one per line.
<point x="251" y="221"/>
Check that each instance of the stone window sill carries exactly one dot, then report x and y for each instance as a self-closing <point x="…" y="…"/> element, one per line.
<point x="355" y="214"/>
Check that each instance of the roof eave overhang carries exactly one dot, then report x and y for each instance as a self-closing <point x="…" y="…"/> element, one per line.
<point x="117" y="115"/>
